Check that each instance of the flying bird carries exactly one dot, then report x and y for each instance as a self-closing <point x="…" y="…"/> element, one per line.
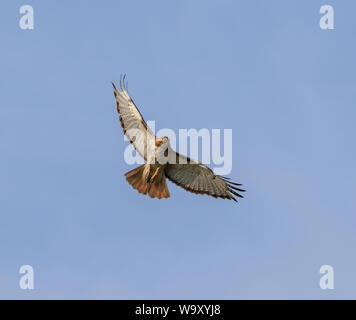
<point x="163" y="162"/>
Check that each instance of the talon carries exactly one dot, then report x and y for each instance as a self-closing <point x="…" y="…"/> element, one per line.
<point x="155" y="174"/>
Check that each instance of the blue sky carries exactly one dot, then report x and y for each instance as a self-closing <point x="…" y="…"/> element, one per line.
<point x="264" y="69"/>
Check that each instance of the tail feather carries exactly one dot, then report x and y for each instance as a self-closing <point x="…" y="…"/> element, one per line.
<point x="156" y="189"/>
<point x="154" y="192"/>
<point x="136" y="179"/>
<point x="159" y="189"/>
<point x="164" y="188"/>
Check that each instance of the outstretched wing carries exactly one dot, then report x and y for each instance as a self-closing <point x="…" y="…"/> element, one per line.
<point x="198" y="178"/>
<point x="134" y="126"/>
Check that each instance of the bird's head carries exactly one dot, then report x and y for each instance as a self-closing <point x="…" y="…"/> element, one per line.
<point x="161" y="141"/>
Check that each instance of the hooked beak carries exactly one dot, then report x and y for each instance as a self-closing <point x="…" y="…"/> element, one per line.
<point x="158" y="142"/>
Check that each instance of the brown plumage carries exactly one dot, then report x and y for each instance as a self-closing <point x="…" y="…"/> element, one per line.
<point x="141" y="181"/>
<point x="150" y="178"/>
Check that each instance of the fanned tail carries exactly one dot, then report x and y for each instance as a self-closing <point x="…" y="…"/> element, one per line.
<point x="136" y="179"/>
<point x="158" y="188"/>
<point x="139" y="178"/>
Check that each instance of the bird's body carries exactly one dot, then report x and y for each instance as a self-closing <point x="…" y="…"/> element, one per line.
<point x="163" y="162"/>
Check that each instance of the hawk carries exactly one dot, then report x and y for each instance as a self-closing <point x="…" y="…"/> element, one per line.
<point x="163" y="162"/>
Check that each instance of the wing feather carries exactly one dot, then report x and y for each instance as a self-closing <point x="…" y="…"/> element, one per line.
<point x="198" y="178"/>
<point x="134" y="126"/>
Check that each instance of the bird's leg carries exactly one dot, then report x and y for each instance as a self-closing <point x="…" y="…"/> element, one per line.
<point x="146" y="172"/>
<point x="154" y="174"/>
